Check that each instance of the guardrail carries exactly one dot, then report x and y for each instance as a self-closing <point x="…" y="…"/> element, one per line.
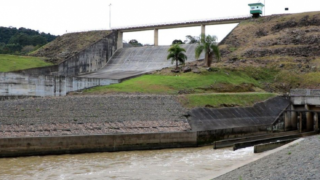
<point x="185" y="22"/>
<point x="305" y="92"/>
<point x="175" y="23"/>
<point x="86" y="30"/>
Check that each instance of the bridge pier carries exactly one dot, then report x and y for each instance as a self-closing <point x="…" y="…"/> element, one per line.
<point x="203" y="29"/>
<point x="293" y="119"/>
<point x="156" y="37"/>
<point x="287" y="121"/>
<point x="120" y="40"/>
<point x="316" y="121"/>
<point x="300" y="123"/>
<point x="309" y="119"/>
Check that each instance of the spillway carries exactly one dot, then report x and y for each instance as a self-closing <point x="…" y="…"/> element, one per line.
<point x="133" y="61"/>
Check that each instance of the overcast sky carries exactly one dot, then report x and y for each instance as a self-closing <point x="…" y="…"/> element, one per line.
<point x="58" y="16"/>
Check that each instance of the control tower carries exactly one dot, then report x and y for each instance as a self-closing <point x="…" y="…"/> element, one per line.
<point x="256" y="9"/>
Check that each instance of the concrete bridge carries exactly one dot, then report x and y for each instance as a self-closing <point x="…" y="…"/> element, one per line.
<point x="303" y="113"/>
<point x="156" y="27"/>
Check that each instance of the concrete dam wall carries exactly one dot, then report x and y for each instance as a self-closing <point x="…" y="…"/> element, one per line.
<point x="215" y="124"/>
<point x="133" y="61"/>
<point x="263" y="113"/>
<point x="91" y="58"/>
<point x="13" y="84"/>
<point x="78" y="124"/>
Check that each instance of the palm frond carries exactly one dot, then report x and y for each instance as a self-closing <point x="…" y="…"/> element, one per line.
<point x="199" y="49"/>
<point x="176" y="53"/>
<point x="209" y="45"/>
<point x="216" y="51"/>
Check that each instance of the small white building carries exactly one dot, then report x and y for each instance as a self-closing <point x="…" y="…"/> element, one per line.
<point x="256" y="9"/>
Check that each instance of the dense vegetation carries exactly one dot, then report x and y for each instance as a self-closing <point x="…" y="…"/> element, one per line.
<point x="22" y="40"/>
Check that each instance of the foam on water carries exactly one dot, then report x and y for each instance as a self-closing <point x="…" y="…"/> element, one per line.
<point x="188" y="163"/>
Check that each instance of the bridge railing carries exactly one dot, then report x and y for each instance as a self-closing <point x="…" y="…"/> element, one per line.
<point x="305" y="92"/>
<point x="184" y="22"/>
<point x="173" y="23"/>
<point x="86" y="30"/>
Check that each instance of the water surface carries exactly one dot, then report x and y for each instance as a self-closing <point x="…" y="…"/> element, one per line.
<point x="186" y="163"/>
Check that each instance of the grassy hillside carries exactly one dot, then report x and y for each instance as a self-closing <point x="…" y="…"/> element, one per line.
<point x="213" y="89"/>
<point x="13" y="63"/>
<point x="184" y="83"/>
<point x="68" y="45"/>
<point x="287" y="43"/>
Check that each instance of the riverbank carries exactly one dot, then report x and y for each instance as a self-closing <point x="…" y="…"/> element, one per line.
<point x="81" y="124"/>
<point x="298" y="161"/>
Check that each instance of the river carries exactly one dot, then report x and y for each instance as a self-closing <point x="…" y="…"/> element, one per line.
<point x="186" y="163"/>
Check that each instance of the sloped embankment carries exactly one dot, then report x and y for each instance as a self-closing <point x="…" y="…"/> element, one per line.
<point x="263" y="113"/>
<point x="293" y="37"/>
<point x="286" y="43"/>
<point x="68" y="45"/>
<point x="91" y="115"/>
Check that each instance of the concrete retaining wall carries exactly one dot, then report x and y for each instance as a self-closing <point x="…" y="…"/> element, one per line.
<point x="269" y="146"/>
<point x="91" y="58"/>
<point x="12" y="84"/>
<point x="4" y="98"/>
<point x="13" y="147"/>
<point x="206" y="137"/>
<point x="48" y="70"/>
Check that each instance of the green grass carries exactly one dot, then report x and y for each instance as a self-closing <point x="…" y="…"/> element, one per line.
<point x="217" y="99"/>
<point x="171" y="84"/>
<point x="13" y="63"/>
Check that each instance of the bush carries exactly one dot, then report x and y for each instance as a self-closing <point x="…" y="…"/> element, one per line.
<point x="27" y="49"/>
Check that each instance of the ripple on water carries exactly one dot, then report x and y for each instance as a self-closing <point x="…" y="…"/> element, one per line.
<point x="187" y="163"/>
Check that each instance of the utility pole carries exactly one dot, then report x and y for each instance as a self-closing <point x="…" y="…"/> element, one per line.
<point x="110" y="15"/>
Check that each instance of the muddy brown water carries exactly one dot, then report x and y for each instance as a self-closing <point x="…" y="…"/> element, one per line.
<point x="186" y="163"/>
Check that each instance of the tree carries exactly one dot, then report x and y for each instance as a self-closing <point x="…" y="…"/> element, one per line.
<point x="15" y="39"/>
<point x="176" y="53"/>
<point x="177" y="41"/>
<point x="135" y="43"/>
<point x="192" y="39"/>
<point x="209" y="45"/>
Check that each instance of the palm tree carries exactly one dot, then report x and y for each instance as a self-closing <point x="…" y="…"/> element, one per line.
<point x="176" y="53"/>
<point x="192" y="39"/>
<point x="209" y="45"/>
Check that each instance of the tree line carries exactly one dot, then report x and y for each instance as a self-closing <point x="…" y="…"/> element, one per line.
<point x="22" y="40"/>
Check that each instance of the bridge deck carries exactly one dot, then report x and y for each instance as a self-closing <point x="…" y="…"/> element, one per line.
<point x="225" y="20"/>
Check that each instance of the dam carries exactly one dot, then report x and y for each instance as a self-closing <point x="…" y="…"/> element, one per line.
<point x="134" y="61"/>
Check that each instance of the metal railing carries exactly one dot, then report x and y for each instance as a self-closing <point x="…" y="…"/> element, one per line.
<point x="305" y="92"/>
<point x="175" y="23"/>
<point x="184" y="22"/>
